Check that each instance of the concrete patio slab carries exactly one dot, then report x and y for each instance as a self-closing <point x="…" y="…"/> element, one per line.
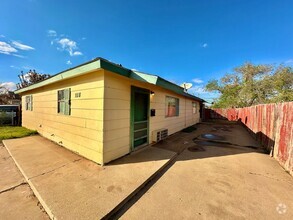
<point x="38" y="154"/>
<point x="9" y="173"/>
<point x="71" y="187"/>
<point x="21" y="203"/>
<point x="17" y="200"/>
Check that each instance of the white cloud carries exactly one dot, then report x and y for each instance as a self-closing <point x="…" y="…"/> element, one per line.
<point x="52" y="33"/>
<point x="8" y="85"/>
<point x="204" y="45"/>
<point x="10" y="48"/>
<point x="197" y="90"/>
<point x="64" y="43"/>
<point x="1" y="35"/>
<point x="6" y="48"/>
<point x="289" y="61"/>
<point x="200" y="92"/>
<point x="17" y="55"/>
<point x="76" y="53"/>
<point x="68" y="62"/>
<point x="67" y="43"/>
<point x="197" y="81"/>
<point x="69" y="46"/>
<point x="21" y="46"/>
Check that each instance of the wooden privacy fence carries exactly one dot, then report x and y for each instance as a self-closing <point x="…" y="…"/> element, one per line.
<point x="271" y="124"/>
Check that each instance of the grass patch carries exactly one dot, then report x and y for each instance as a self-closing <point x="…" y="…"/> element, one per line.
<point x="8" y="132"/>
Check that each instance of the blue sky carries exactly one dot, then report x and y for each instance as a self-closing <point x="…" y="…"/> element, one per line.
<point x="182" y="41"/>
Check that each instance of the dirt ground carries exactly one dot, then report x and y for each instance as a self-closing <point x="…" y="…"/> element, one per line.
<point x="17" y="200"/>
<point x="225" y="179"/>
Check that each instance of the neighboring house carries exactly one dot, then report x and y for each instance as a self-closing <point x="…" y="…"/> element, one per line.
<point x="9" y="115"/>
<point x="103" y="111"/>
<point x="9" y="98"/>
<point x="15" y="99"/>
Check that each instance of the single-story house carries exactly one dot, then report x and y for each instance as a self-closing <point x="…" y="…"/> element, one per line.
<point x="103" y="111"/>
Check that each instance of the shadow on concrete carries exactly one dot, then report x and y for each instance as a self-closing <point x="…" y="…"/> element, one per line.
<point x="193" y="146"/>
<point x="266" y="142"/>
<point x="234" y="140"/>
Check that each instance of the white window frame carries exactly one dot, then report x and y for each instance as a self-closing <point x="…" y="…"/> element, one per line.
<point x="64" y="101"/>
<point x="194" y="107"/>
<point x="29" y="102"/>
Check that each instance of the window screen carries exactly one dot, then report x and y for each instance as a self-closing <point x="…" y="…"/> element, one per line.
<point x="172" y="106"/>
<point x="64" y="102"/>
<point x="29" y="102"/>
<point x="194" y="107"/>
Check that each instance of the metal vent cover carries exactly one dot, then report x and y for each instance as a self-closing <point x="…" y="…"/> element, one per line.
<point x="160" y="134"/>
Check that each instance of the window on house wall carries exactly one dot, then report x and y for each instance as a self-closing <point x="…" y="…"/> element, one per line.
<point x="29" y="102"/>
<point x="172" y="106"/>
<point x="64" y="101"/>
<point x="194" y="107"/>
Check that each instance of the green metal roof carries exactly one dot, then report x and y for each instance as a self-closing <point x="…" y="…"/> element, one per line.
<point x="101" y="63"/>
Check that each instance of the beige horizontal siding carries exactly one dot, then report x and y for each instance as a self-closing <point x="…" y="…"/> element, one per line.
<point x="116" y="153"/>
<point x="173" y="124"/>
<point x="99" y="125"/>
<point x="116" y="124"/>
<point x="77" y="148"/>
<point x="117" y="113"/>
<point x="117" y="101"/>
<point x="61" y="127"/>
<point x="82" y="131"/>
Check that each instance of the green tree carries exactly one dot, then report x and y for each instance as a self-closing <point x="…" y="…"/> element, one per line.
<point x="252" y="84"/>
<point x="283" y="84"/>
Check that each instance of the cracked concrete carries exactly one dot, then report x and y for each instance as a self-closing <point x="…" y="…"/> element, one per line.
<point x="71" y="187"/>
<point x="17" y="200"/>
<point x="53" y="170"/>
<point x="13" y="187"/>
<point x="10" y="175"/>
<point x="218" y="183"/>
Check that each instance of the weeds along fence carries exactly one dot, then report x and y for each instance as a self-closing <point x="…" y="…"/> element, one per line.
<point x="270" y="124"/>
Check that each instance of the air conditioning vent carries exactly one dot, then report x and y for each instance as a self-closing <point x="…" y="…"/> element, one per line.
<point x="160" y="134"/>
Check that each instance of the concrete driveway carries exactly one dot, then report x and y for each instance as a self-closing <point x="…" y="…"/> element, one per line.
<point x="216" y="171"/>
<point x="71" y="187"/>
<point x="223" y="181"/>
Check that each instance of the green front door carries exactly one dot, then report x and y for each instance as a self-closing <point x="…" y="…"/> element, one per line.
<point x="140" y="99"/>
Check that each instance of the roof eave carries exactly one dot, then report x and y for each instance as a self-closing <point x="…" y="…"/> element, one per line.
<point x="67" y="74"/>
<point x="101" y="63"/>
